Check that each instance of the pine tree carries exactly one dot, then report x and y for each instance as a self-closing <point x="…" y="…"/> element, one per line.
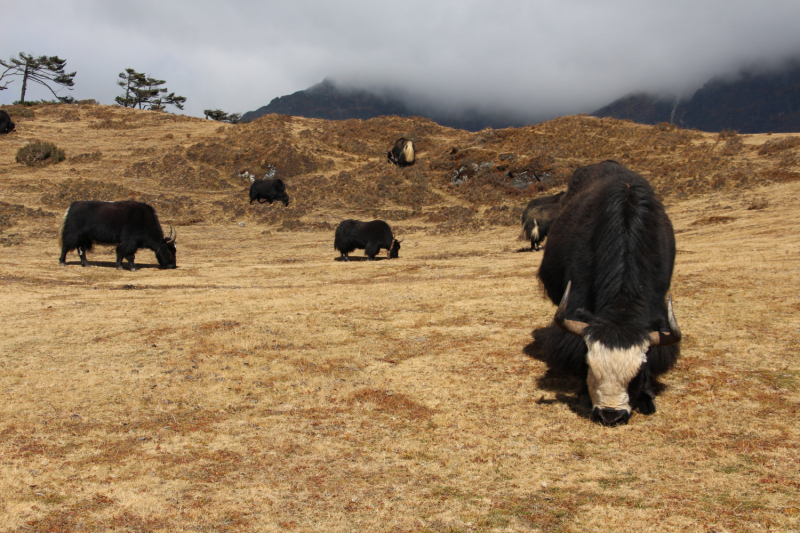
<point x="42" y="70"/>
<point x="222" y="116"/>
<point x="145" y="93"/>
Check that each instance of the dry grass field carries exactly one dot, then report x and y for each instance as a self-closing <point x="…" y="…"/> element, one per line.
<point x="263" y="386"/>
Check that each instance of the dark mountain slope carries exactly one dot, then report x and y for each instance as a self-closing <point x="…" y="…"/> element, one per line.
<point x="751" y="103"/>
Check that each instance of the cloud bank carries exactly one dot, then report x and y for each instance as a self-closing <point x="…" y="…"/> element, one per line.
<point x="532" y="59"/>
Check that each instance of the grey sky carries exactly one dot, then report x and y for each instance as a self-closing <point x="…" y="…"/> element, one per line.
<point x="538" y="59"/>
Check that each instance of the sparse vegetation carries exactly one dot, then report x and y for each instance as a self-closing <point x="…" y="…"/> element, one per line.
<point x="263" y="386"/>
<point x="40" y="153"/>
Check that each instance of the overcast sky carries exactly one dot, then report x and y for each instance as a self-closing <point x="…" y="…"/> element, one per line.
<point x="535" y="58"/>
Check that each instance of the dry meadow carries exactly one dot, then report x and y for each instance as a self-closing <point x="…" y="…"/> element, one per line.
<point x="264" y="386"/>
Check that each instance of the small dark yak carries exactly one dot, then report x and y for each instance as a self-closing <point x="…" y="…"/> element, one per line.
<point x="6" y="126"/>
<point x="130" y="225"/>
<point x="537" y="218"/>
<point x="536" y="223"/>
<point x="403" y="153"/>
<point x="609" y="262"/>
<point x="367" y="236"/>
<point x="268" y="190"/>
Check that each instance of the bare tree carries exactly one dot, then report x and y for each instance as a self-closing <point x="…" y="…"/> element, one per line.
<point x="42" y="70"/>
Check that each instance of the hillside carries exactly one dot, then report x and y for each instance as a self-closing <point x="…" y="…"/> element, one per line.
<point x="464" y="181"/>
<point x="264" y="386"/>
<point x="749" y="103"/>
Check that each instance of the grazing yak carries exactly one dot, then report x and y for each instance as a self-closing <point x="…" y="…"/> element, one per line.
<point x="268" y="190"/>
<point x="536" y="223"/>
<point x="609" y="262"/>
<point x="6" y="126"/>
<point x="537" y="218"/>
<point x="403" y="153"/>
<point x="367" y="236"/>
<point x="130" y="225"/>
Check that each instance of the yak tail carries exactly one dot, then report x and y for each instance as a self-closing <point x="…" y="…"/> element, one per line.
<point x="61" y="229"/>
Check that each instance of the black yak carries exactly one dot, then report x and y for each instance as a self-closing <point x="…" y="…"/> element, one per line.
<point x="268" y="190"/>
<point x="6" y="126"/>
<point x="403" y="153"/>
<point x="609" y="262"/>
<point x="130" y="225"/>
<point x="538" y="216"/>
<point x="536" y="223"/>
<point x="367" y="236"/>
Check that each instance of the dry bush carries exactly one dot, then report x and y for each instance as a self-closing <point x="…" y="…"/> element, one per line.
<point x="774" y="146"/>
<point x="727" y="134"/>
<point x="713" y="220"/>
<point x="11" y="214"/>
<point x="40" y="153"/>
<point x="19" y="112"/>
<point x="174" y="172"/>
<point x="112" y="124"/>
<point x="758" y="204"/>
<point x="89" y="157"/>
<point x="72" y="190"/>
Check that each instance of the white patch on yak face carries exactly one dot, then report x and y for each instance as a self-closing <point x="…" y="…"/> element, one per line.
<point x="610" y="372"/>
<point x="408" y="151"/>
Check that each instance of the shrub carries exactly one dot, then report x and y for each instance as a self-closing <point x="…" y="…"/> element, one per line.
<point x="38" y="153"/>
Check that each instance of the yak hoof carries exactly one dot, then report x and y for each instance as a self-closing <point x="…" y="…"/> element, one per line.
<point x="646" y="405"/>
<point x="119" y="267"/>
<point x="62" y="263"/>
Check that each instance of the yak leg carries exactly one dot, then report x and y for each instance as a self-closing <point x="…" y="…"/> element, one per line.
<point x="372" y="250"/>
<point x="645" y="402"/>
<point x="127" y="251"/>
<point x="583" y="396"/>
<point x="82" y="255"/>
<point x="63" y="259"/>
<point x="344" y="257"/>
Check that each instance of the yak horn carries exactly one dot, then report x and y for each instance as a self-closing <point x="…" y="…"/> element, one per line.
<point x="171" y="239"/>
<point x="667" y="338"/>
<point x="560" y="320"/>
<point x="401" y="240"/>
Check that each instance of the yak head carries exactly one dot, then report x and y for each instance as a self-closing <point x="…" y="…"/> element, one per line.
<point x="395" y="249"/>
<point x="165" y="254"/>
<point x="614" y="370"/>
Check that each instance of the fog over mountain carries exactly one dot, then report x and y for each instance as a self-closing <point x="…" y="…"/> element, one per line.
<point x="531" y="61"/>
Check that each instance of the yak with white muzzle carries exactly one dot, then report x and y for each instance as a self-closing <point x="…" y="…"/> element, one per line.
<point x="608" y="265"/>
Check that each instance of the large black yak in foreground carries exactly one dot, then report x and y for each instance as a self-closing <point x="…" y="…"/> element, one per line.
<point x="402" y="153"/>
<point x="367" y="236"/>
<point x="609" y="262"/>
<point x="130" y="225"/>
<point x="6" y="125"/>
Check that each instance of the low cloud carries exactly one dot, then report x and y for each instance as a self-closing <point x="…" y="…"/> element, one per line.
<point x="533" y="60"/>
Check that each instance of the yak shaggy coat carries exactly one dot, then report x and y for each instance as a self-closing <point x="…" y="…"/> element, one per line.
<point x="614" y="242"/>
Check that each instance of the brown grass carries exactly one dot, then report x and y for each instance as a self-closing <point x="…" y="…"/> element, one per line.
<point x="263" y="386"/>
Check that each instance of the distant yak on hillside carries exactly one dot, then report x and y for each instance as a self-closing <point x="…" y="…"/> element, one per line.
<point x="403" y="153"/>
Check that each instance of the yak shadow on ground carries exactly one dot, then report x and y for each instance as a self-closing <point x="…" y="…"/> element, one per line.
<point x="112" y="264"/>
<point x="352" y="259"/>
<point x="565" y="386"/>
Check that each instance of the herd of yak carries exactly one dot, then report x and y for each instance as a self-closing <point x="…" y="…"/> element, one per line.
<point x="607" y="264"/>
